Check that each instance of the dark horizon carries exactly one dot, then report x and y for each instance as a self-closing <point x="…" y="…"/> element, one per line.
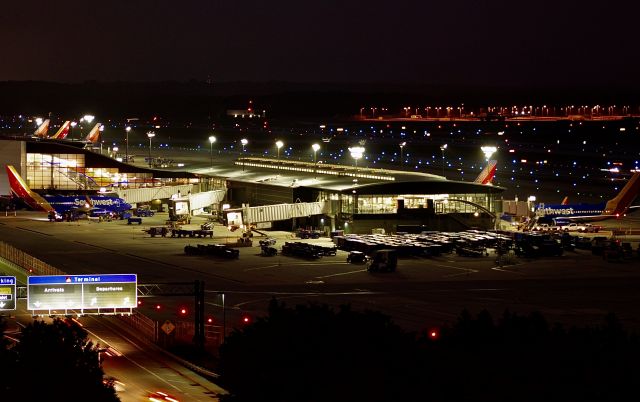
<point x="281" y="98"/>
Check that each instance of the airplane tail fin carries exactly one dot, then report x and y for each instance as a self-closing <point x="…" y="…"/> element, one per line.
<point x="20" y="189"/>
<point x="620" y="203"/>
<point x="62" y="132"/>
<point x="486" y="176"/>
<point x="42" y="130"/>
<point x="94" y="134"/>
<point x="565" y="200"/>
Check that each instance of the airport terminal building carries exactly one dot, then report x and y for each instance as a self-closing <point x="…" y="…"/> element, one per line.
<point x="265" y="192"/>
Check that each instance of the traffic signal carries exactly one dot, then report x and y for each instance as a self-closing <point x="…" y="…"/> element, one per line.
<point x="183" y="311"/>
<point x="158" y="307"/>
<point x="246" y="319"/>
<point x="434" y="334"/>
<point x="209" y="320"/>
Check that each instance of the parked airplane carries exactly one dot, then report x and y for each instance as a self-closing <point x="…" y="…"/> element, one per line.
<point x="565" y="200"/>
<point x="94" y="205"/>
<point x="487" y="174"/>
<point x="614" y="208"/>
<point x="41" y="131"/>
<point x="62" y="132"/>
<point x="94" y="134"/>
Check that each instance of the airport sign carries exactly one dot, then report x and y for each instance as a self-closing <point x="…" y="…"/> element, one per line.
<point x="7" y="293"/>
<point x="82" y="292"/>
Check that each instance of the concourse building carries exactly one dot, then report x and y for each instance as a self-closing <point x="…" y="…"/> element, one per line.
<point x="263" y="192"/>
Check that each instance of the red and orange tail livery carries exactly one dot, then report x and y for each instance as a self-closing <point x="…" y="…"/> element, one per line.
<point x="20" y="189"/>
<point x="487" y="174"/>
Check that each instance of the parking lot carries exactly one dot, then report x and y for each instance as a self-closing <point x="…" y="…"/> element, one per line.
<point x="576" y="287"/>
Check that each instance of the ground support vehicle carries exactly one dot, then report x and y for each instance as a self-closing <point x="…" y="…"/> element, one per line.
<point x="267" y="242"/>
<point x="357" y="257"/>
<point x="308" y="234"/>
<point x="268" y="251"/>
<point x="144" y="212"/>
<point x="191" y="233"/>
<point x="385" y="260"/>
<point x="298" y="249"/>
<point x="157" y="231"/>
<point x="132" y="220"/>
<point x="216" y="250"/>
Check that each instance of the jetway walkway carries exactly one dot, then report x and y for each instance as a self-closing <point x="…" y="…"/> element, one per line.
<point x="280" y="212"/>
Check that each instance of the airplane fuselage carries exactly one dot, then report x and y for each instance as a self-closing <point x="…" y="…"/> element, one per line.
<point x="64" y="204"/>
<point x="569" y="210"/>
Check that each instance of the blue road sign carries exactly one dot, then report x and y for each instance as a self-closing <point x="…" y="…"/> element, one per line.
<point x="7" y="293"/>
<point x="82" y="292"/>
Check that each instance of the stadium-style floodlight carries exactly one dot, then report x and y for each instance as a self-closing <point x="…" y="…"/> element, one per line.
<point x="88" y="118"/>
<point x="39" y="121"/>
<point x="356" y="153"/>
<point x="212" y="139"/>
<point x="488" y="151"/>
<point x="442" y="148"/>
<point x="402" y="145"/>
<point x="150" y="134"/>
<point x="279" y="144"/>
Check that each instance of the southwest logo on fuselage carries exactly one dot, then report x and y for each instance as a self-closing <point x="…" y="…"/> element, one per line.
<point x="615" y="207"/>
<point x="60" y="203"/>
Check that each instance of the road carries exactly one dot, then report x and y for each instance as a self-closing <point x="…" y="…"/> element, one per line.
<point x="141" y="367"/>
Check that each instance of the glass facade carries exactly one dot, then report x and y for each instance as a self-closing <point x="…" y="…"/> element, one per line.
<point x="68" y="172"/>
<point x="388" y="204"/>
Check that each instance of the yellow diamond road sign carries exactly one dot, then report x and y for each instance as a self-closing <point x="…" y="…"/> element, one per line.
<point x="168" y="327"/>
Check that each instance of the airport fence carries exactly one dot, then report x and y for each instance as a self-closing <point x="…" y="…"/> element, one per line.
<point x="29" y="263"/>
<point x="144" y="326"/>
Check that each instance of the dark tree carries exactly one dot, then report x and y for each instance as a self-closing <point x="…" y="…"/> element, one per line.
<point x="313" y="353"/>
<point x="54" y="361"/>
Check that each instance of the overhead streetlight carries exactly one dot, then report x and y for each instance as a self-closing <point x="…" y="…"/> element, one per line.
<point x="442" y="148"/>
<point x="150" y="134"/>
<point x="115" y="152"/>
<point x="212" y="139"/>
<point x="279" y="144"/>
<point x="126" y="142"/>
<point x="244" y="142"/>
<point x="73" y="124"/>
<point x="402" y="145"/>
<point x="356" y="153"/>
<point x="488" y="151"/>
<point x="315" y="148"/>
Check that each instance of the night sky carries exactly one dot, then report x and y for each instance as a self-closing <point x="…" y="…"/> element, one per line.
<point x="464" y="42"/>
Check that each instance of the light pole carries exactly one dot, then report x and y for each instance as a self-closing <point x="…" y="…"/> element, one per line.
<point x="402" y="145"/>
<point x="73" y="124"/>
<point x="356" y="153"/>
<point x="126" y="143"/>
<point x="150" y="134"/>
<point x="115" y="152"/>
<point x="442" y="148"/>
<point x="244" y="142"/>
<point x="279" y="144"/>
<point x="315" y="148"/>
<point x="212" y="139"/>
